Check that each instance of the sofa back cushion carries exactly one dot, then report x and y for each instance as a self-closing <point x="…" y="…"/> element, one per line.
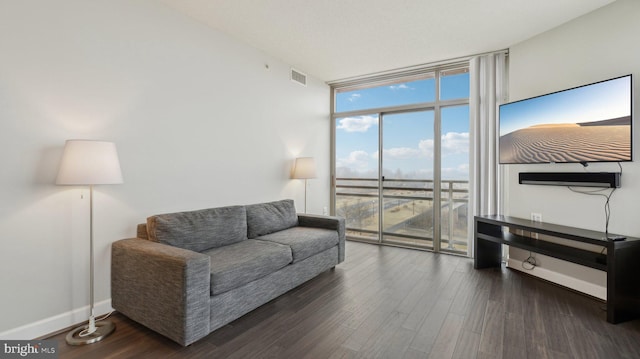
<point x="265" y="218"/>
<point x="199" y="230"/>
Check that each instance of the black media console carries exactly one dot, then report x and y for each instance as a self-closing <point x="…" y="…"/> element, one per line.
<point x="621" y="260"/>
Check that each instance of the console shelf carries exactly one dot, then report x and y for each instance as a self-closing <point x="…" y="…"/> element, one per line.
<point x="621" y="260"/>
<point x="575" y="255"/>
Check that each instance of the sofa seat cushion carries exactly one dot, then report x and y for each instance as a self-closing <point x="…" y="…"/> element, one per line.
<point x="199" y="230"/>
<point x="240" y="263"/>
<point x="265" y="218"/>
<point x="304" y="241"/>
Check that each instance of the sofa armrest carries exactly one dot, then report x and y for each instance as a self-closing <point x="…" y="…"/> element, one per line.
<point x="327" y="222"/>
<point x="162" y="287"/>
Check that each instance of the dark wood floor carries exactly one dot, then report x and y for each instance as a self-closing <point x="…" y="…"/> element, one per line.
<point x="388" y="302"/>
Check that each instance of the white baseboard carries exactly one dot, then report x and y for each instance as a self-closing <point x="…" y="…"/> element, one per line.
<point x="579" y="285"/>
<point x="53" y="324"/>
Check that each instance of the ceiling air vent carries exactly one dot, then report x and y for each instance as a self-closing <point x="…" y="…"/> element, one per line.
<point x="298" y="77"/>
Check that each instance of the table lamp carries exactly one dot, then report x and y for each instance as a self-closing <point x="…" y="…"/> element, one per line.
<point x="304" y="168"/>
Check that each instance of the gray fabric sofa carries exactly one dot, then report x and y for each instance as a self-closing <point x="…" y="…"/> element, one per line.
<point x="189" y="273"/>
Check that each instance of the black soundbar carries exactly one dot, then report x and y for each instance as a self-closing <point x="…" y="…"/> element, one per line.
<point x="582" y="179"/>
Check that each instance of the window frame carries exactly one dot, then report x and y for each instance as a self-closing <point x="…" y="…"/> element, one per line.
<point x="437" y="105"/>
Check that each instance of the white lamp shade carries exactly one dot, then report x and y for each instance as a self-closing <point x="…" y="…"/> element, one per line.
<point x="87" y="162"/>
<point x="305" y="167"/>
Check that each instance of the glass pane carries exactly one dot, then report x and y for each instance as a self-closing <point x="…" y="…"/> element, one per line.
<point x="455" y="178"/>
<point x="357" y="175"/>
<point x="403" y="93"/>
<point x="407" y="159"/>
<point x="454" y="84"/>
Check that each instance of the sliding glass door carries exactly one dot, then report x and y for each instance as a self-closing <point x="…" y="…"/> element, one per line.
<point x="357" y="193"/>
<point x="408" y="178"/>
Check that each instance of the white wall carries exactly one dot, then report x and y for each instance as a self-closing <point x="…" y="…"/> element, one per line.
<point x="198" y="119"/>
<point x="594" y="47"/>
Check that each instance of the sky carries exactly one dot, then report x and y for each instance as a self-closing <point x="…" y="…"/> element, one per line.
<point x="407" y="137"/>
<point x="601" y="101"/>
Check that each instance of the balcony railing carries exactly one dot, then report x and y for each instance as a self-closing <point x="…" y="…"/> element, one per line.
<point x="408" y="213"/>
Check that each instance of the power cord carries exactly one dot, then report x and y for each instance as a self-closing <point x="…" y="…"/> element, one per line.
<point x="607" y="208"/>
<point x="90" y="330"/>
<point x="105" y="316"/>
<point x="530" y="262"/>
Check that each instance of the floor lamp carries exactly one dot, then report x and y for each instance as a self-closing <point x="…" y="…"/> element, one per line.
<point x="304" y="168"/>
<point x="89" y="163"/>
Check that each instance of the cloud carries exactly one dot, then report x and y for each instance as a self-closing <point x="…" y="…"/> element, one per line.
<point x="357" y="124"/>
<point x="455" y="142"/>
<point x="400" y="153"/>
<point x="356" y="160"/>
<point x="399" y="87"/>
<point x="426" y="148"/>
<point x="354" y="97"/>
<point x="451" y="142"/>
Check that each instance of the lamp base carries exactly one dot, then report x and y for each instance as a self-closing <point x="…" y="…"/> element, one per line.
<point x="103" y="329"/>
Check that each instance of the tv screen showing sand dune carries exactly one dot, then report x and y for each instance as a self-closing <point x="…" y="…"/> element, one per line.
<point x="590" y="123"/>
<point x="569" y="142"/>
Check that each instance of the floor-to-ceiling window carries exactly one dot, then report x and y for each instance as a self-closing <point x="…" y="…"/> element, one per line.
<point x="401" y="158"/>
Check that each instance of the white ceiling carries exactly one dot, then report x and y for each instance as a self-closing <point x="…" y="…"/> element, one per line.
<point x="337" y="39"/>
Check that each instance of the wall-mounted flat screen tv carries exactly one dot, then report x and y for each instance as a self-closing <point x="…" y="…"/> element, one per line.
<point x="590" y="123"/>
